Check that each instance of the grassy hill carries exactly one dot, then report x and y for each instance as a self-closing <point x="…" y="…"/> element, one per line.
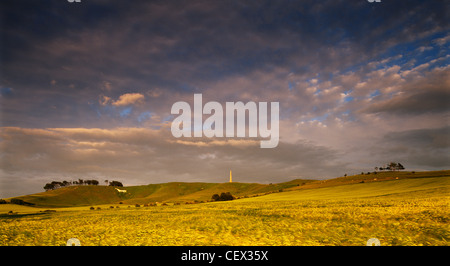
<point x="439" y="185"/>
<point x="167" y="192"/>
<point x="179" y="192"/>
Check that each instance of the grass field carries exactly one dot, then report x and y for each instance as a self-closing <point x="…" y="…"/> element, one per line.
<point x="411" y="211"/>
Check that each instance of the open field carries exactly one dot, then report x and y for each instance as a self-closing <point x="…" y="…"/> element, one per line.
<point x="411" y="211"/>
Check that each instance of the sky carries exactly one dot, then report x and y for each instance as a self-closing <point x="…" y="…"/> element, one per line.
<point x="86" y="89"/>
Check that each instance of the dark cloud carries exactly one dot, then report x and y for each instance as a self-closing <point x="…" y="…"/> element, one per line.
<point x="422" y="138"/>
<point x="437" y="101"/>
<point x="423" y="148"/>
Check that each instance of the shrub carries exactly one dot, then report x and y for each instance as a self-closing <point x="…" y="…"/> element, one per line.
<point x="21" y="202"/>
<point x="224" y="196"/>
<point x="215" y="197"/>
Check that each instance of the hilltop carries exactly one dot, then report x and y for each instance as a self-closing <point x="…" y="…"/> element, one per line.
<point x="182" y="192"/>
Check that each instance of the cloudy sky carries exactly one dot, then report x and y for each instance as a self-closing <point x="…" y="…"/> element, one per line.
<point x="86" y="89"/>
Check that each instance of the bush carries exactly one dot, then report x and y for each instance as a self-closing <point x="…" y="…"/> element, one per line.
<point x="223" y="197"/>
<point x="116" y="184"/>
<point x="215" y="197"/>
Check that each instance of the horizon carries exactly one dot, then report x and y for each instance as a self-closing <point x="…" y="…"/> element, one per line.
<point x="86" y="89"/>
<point x="71" y="184"/>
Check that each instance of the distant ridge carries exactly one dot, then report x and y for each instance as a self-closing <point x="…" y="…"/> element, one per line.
<point x="175" y="192"/>
<point x="182" y="192"/>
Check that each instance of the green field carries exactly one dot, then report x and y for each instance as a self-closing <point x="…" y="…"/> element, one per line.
<point x="410" y="210"/>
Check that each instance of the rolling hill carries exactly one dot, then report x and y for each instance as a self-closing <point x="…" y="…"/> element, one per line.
<point x="180" y="192"/>
<point x="166" y="192"/>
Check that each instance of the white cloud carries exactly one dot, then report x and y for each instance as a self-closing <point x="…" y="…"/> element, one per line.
<point x="129" y="99"/>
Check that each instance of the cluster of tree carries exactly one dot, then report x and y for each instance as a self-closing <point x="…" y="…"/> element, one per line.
<point x="2" y="201"/>
<point x="91" y="182"/>
<point x="116" y="184"/>
<point x="391" y="167"/>
<point x="223" y="196"/>
<point x="57" y="184"/>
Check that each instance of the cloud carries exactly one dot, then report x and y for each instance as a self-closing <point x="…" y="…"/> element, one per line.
<point x="423" y="148"/>
<point x="129" y="99"/>
<point x="442" y="41"/>
<point x="5" y="92"/>
<point x="346" y="75"/>
<point x="419" y="95"/>
<point x="104" y="100"/>
<point x="142" y="156"/>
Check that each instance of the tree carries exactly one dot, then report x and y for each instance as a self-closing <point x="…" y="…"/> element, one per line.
<point x="57" y="184"/>
<point x="49" y="186"/>
<point x="116" y="184"/>
<point x="224" y="196"/>
<point x="215" y="197"/>
<point x="392" y="166"/>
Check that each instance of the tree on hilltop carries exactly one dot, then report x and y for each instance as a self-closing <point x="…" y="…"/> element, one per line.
<point x="392" y="166"/>
<point x="116" y="184"/>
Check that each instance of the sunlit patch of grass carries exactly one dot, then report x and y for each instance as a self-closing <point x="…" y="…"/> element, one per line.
<point x="418" y="217"/>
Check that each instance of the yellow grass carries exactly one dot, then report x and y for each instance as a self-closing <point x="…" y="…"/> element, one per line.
<point x="410" y="217"/>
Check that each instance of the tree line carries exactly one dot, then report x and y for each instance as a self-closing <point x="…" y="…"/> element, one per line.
<point x="390" y="167"/>
<point x="90" y="182"/>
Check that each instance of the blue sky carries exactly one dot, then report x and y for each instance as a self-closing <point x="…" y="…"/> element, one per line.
<point x="86" y="88"/>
